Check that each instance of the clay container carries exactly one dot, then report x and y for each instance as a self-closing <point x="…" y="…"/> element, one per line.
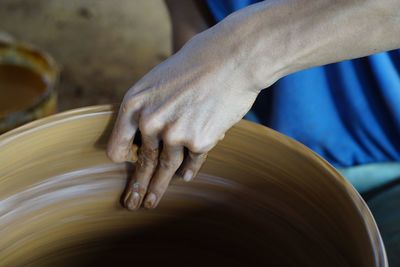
<point x="27" y="84"/>
<point x="261" y="199"/>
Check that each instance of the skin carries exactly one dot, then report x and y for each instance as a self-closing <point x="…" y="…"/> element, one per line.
<point x="190" y="100"/>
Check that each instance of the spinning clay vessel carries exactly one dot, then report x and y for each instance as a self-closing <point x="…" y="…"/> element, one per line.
<point x="261" y="199"/>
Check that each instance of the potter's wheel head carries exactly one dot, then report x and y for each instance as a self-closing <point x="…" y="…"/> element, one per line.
<point x="261" y="199"/>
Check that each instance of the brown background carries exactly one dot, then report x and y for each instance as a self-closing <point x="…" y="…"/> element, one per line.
<point x="102" y="46"/>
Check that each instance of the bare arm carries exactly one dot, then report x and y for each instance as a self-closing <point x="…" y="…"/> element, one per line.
<point x="283" y="36"/>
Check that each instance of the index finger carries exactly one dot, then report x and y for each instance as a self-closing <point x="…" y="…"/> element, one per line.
<point x="120" y="145"/>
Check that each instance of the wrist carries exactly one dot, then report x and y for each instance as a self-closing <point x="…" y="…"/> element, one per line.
<point x="260" y="42"/>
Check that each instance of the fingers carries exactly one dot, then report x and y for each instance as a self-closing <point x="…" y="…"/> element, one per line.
<point x="120" y="147"/>
<point x="144" y="170"/>
<point x="192" y="164"/>
<point x="170" y="159"/>
<point x="153" y="172"/>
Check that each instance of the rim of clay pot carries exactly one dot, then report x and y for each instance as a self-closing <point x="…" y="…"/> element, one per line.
<point x="35" y="59"/>
<point x="359" y="204"/>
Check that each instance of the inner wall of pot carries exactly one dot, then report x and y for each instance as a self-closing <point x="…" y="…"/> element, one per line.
<point x="260" y="199"/>
<point x="220" y="220"/>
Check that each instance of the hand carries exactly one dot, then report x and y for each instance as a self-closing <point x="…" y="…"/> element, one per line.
<point x="187" y="102"/>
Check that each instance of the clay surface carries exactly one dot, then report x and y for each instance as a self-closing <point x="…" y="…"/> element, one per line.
<point x="261" y="200"/>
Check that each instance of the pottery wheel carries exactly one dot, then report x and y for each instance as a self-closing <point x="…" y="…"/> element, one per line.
<point x="261" y="199"/>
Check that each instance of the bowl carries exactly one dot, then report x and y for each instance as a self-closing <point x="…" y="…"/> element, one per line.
<point x="260" y="199"/>
<point x="27" y="84"/>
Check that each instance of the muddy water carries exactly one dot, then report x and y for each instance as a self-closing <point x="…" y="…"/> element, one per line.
<point x="261" y="200"/>
<point x="20" y="88"/>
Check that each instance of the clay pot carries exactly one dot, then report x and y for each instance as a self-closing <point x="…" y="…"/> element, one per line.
<point x="28" y="77"/>
<point x="261" y="199"/>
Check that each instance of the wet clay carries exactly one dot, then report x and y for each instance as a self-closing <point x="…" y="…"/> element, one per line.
<point x="20" y="88"/>
<point x="261" y="199"/>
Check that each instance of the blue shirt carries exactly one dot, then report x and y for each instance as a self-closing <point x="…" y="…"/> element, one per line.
<point x="348" y="112"/>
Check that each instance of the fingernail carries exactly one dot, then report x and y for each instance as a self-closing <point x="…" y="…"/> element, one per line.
<point x="134" y="201"/>
<point x="150" y="201"/>
<point x="188" y="175"/>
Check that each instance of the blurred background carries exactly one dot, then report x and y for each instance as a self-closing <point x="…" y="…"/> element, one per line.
<point x="102" y="47"/>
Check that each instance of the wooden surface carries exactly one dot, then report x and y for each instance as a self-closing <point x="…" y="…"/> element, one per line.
<point x="261" y="199"/>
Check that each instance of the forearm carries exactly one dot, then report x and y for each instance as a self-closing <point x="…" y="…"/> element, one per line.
<point x="277" y="38"/>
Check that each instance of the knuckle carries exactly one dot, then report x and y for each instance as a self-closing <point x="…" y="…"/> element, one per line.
<point x="130" y="103"/>
<point x="200" y="147"/>
<point x="172" y="137"/>
<point x="147" y="157"/>
<point x="149" y="125"/>
<point x="172" y="140"/>
<point x="140" y="188"/>
<point x="168" y="164"/>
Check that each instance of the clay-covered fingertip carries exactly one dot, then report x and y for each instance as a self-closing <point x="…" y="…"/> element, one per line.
<point x="150" y="202"/>
<point x="133" y="201"/>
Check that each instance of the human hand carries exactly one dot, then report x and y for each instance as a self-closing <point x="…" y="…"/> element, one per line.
<point x="187" y="102"/>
